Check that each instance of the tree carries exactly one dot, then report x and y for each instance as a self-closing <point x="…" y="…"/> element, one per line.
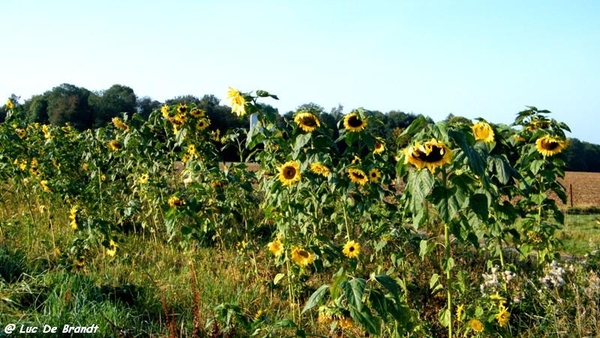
<point x="69" y="103"/>
<point x="36" y="109"/>
<point x="145" y="106"/>
<point x="113" y="102"/>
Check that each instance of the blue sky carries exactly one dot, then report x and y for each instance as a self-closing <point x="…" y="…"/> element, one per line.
<point x="485" y="59"/>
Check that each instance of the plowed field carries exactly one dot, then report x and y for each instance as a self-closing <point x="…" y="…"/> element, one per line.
<point x="585" y="187"/>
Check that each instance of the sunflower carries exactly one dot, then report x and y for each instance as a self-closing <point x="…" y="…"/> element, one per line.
<point x="459" y="311"/>
<point x="21" y="133"/>
<point x="354" y="123"/>
<point x="358" y="176"/>
<point x="483" y="132"/>
<point x="540" y="124"/>
<point x="114" y="145"/>
<point x="345" y="322"/>
<point x="46" y="131"/>
<point x="502" y="316"/>
<point x="356" y="160"/>
<point x="202" y="124"/>
<point x="307" y="121"/>
<point x="289" y="172"/>
<point x="143" y="179"/>
<point x="374" y="175"/>
<point x="197" y="113"/>
<point x="351" y="249"/>
<point x="9" y="104"/>
<point x="112" y="250"/>
<point x="276" y="247"/>
<point x="431" y="154"/>
<point x="191" y="149"/>
<point x="237" y="101"/>
<point x="175" y="201"/>
<point x="302" y="257"/>
<point x="165" y="111"/>
<point x="549" y="146"/>
<point x="73" y="217"/>
<point x="182" y="109"/>
<point x="320" y="169"/>
<point x="476" y="325"/>
<point x="519" y="138"/>
<point x="44" y="184"/>
<point x="119" y="124"/>
<point x="80" y="262"/>
<point x="379" y="146"/>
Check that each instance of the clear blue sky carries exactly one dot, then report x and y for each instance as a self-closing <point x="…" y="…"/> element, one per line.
<point x="472" y="58"/>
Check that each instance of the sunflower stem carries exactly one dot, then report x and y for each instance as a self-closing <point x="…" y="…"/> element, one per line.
<point x="346" y="221"/>
<point x="447" y="256"/>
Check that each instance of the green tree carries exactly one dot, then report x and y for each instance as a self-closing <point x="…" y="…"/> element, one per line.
<point x="112" y="102"/>
<point x="69" y="103"/>
<point x="147" y="105"/>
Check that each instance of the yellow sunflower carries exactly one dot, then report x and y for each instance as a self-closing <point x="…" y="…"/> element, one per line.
<point x="459" y="312"/>
<point x="46" y="131"/>
<point x="143" y="179"/>
<point x="112" y="250"/>
<point x="431" y="154"/>
<point x="197" y="113"/>
<point x="539" y="124"/>
<point x="503" y="316"/>
<point x="119" y="124"/>
<point x="302" y="257"/>
<point x="307" y="121"/>
<point x="175" y="201"/>
<point x="351" y="249"/>
<point x="114" y="145"/>
<point x="476" y="325"/>
<point x="44" y="184"/>
<point x="9" y="104"/>
<point x="320" y="169"/>
<point x="21" y="133"/>
<point x="165" y="111"/>
<point x="202" y="124"/>
<point x="549" y="146"/>
<point x="353" y="122"/>
<point x="358" y="176"/>
<point x="289" y="173"/>
<point x="276" y="247"/>
<point x="374" y="175"/>
<point x="182" y="109"/>
<point x="237" y="101"/>
<point x="379" y="146"/>
<point x="73" y="217"/>
<point x="483" y="132"/>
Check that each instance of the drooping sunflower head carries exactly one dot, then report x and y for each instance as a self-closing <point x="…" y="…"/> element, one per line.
<point x="289" y="173"/>
<point x="202" y="124"/>
<point x="237" y="102"/>
<point x="358" y="176"/>
<point x="114" y="145"/>
<point x="112" y="248"/>
<point x="430" y="155"/>
<point x="351" y="249"/>
<point x="164" y="110"/>
<point x="276" y="247"/>
<point x="550" y="146"/>
<point x="354" y="123"/>
<point x="502" y="316"/>
<point x="374" y="175"/>
<point x="302" y="257"/>
<point x="379" y="146"/>
<point x="483" y="132"/>
<point x="307" y="121"/>
<point x="197" y="112"/>
<point x="143" y="178"/>
<point x="119" y="124"/>
<point x="538" y="124"/>
<point x="320" y="169"/>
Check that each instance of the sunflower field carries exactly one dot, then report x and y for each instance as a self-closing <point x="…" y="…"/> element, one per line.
<point x="331" y="233"/>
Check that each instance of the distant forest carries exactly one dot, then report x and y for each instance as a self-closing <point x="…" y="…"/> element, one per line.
<point x="85" y="109"/>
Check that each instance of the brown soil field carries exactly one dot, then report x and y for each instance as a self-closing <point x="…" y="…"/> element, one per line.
<point x="585" y="188"/>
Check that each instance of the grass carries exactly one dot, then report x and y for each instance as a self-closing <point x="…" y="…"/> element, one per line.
<point x="581" y="233"/>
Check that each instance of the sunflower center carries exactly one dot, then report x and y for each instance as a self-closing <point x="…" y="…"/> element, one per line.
<point x="309" y="121"/>
<point x="289" y="172"/>
<point x="303" y="254"/>
<point x="358" y="175"/>
<point x="354" y="122"/>
<point x="351" y="249"/>
<point x="551" y="145"/>
<point x="436" y="154"/>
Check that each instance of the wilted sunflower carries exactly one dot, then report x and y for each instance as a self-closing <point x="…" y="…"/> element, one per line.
<point x="237" y="101"/>
<point x="476" y="325"/>
<point x="320" y="169"/>
<point x="549" y="146"/>
<point x="358" y="176"/>
<point x="353" y="122"/>
<point x="351" y="249"/>
<point x="539" y="124"/>
<point x="119" y="124"/>
<point x="431" y="154"/>
<point x="302" y="257"/>
<point x="175" y="201"/>
<point x="307" y="121"/>
<point x="112" y="250"/>
<point x="374" y="175"/>
<point x="379" y="146"/>
<point x="114" y="145"/>
<point x="483" y="132"/>
<point x="79" y="262"/>
<point x="202" y="124"/>
<point x="276" y="247"/>
<point x="197" y="113"/>
<point x="46" y="131"/>
<point x="289" y="172"/>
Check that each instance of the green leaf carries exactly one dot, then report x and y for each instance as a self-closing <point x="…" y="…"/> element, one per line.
<point x="301" y="141"/>
<point x="389" y="283"/>
<point x="502" y="168"/>
<point x="445" y="317"/>
<point x="535" y="166"/>
<point x="354" y="290"/>
<point x="316" y="297"/>
<point x="366" y="319"/>
<point x="418" y="124"/>
<point x="433" y="280"/>
<point x="278" y="278"/>
<point x="479" y="205"/>
<point x="448" y="264"/>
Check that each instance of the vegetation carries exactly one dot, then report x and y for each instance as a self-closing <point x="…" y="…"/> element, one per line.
<point x="440" y="229"/>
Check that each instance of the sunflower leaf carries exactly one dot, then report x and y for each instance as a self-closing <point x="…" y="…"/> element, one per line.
<point x="316" y="297"/>
<point x="354" y="290"/>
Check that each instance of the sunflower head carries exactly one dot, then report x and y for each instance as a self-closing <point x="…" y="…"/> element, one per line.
<point x="502" y="316"/>
<point x="21" y="133"/>
<point x="358" y="176"/>
<point x="143" y="178"/>
<point x="9" y="104"/>
<point x="164" y="110"/>
<point x="289" y="173"/>
<point x="197" y="112"/>
<point x="483" y="132"/>
<point x="354" y="123"/>
<point x="114" y="145"/>
<point x="320" y="169"/>
<point x="175" y="201"/>
<point x="538" y="124"/>
<point x="351" y="249"/>
<point x="430" y="155"/>
<point x="307" y="121"/>
<point x="119" y="124"/>
<point x="302" y="257"/>
<point x="182" y="108"/>
<point x="374" y="175"/>
<point x="276" y="247"/>
<point x="379" y="146"/>
<point x="202" y="124"/>
<point x="550" y="146"/>
<point x="237" y="101"/>
<point x="476" y="325"/>
<point x="112" y="248"/>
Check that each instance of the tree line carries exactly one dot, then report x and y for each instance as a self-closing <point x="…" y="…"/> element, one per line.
<point x="85" y="109"/>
